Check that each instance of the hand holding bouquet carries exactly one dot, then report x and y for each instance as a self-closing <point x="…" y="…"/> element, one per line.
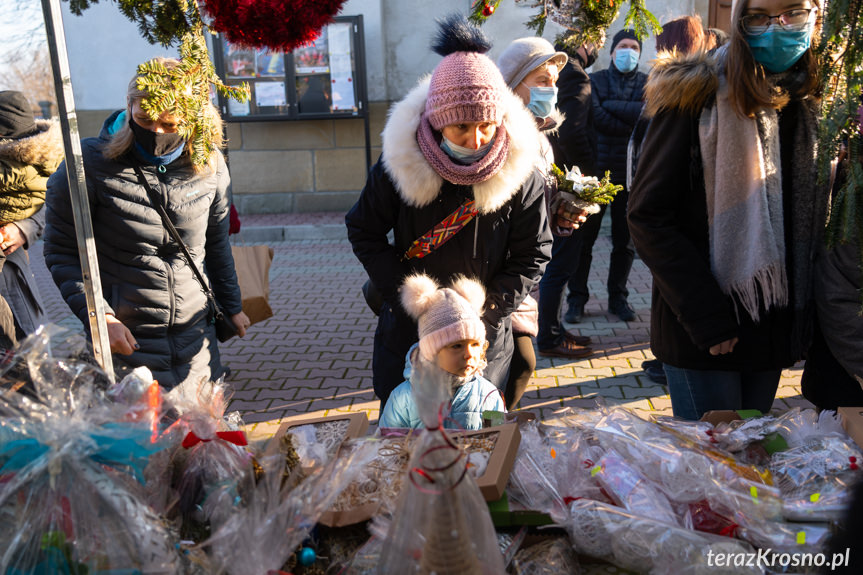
<point x="584" y="193"/>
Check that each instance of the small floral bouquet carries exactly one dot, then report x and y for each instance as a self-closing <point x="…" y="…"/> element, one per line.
<point x="582" y="192"/>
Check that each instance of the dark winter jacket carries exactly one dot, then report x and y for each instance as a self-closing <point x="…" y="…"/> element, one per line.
<point x="25" y="165"/>
<point x="146" y="282"/>
<point x="668" y="220"/>
<point x="575" y="141"/>
<point x="506" y="246"/>
<point x="617" y="102"/>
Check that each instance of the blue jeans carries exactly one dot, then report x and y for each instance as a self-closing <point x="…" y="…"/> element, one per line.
<point x="565" y="252"/>
<point x="695" y="391"/>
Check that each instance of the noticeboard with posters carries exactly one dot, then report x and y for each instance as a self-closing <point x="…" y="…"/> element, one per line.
<point x="323" y="80"/>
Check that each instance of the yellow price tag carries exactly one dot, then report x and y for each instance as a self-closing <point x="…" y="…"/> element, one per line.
<point x="801" y="538"/>
<point x="753" y="491"/>
<point x="553" y="454"/>
<point x="595" y="470"/>
<point x="815" y="497"/>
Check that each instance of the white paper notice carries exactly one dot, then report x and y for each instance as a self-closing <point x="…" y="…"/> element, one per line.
<point x="238" y="108"/>
<point x="270" y="94"/>
<point x="341" y="72"/>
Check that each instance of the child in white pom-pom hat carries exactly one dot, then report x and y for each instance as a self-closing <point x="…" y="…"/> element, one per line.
<point x="452" y="338"/>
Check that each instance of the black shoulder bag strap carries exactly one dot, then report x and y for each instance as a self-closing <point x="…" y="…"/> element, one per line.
<point x="156" y="200"/>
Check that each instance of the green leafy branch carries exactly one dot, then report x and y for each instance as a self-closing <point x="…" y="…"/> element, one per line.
<point x="841" y="53"/>
<point x="587" y="20"/>
<point x="586" y="188"/>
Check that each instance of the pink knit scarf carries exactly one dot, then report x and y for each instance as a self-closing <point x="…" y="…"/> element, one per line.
<point x="464" y="175"/>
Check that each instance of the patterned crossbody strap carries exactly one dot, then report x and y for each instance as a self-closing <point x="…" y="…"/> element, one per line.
<point x="442" y="232"/>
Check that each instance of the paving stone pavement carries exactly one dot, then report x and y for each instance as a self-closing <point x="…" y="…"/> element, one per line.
<point x="313" y="357"/>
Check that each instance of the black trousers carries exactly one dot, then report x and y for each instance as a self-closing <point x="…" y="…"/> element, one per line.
<point x="622" y="254"/>
<point x="825" y="382"/>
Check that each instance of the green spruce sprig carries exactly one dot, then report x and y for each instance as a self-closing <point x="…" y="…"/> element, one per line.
<point x="586" y="188"/>
<point x="587" y="20"/>
<point x="482" y="10"/>
<point x="185" y="92"/>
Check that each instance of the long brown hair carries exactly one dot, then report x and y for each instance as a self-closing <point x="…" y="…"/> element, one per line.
<point x="122" y="140"/>
<point x="748" y="86"/>
<point x="684" y="34"/>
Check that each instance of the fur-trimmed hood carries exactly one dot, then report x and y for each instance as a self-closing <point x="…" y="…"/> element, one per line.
<point x="684" y="82"/>
<point x="417" y="182"/>
<point x="43" y="150"/>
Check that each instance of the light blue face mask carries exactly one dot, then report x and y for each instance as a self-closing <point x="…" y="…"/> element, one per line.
<point x="542" y="101"/>
<point x="778" y="49"/>
<point x="626" y="59"/>
<point x="462" y="154"/>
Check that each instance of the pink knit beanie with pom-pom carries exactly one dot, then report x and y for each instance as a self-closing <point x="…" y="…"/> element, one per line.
<point x="466" y="86"/>
<point x="444" y="315"/>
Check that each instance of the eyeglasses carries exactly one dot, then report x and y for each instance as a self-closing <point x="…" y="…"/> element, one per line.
<point x="757" y="24"/>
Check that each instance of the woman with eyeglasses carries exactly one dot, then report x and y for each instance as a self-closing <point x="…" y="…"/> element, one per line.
<point x="726" y="209"/>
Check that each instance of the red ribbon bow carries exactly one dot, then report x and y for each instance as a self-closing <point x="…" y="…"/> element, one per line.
<point x="235" y="437"/>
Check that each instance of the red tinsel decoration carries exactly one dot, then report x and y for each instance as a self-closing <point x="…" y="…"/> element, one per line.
<point x="279" y="25"/>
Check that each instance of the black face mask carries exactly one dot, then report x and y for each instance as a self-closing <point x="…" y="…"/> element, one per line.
<point x="154" y="143"/>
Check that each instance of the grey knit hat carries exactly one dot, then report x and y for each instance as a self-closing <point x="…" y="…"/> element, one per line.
<point x="525" y="55"/>
<point x="444" y="315"/>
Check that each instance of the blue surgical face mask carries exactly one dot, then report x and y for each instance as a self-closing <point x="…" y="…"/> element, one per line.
<point x="462" y="154"/>
<point x="542" y="101"/>
<point x="778" y="49"/>
<point x="626" y="59"/>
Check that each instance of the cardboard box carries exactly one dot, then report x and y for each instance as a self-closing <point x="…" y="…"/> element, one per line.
<point x="852" y="421"/>
<point x="493" y="482"/>
<point x="357" y="425"/>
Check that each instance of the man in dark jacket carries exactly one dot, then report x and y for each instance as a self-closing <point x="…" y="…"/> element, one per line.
<point x="617" y="94"/>
<point x="574" y="144"/>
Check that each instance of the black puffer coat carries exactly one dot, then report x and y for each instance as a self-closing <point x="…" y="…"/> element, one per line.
<point x="146" y="282"/>
<point x="617" y="102"/>
<point x="506" y="247"/>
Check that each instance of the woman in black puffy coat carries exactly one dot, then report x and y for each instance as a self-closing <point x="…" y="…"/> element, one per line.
<point x="459" y="135"/>
<point x="157" y="312"/>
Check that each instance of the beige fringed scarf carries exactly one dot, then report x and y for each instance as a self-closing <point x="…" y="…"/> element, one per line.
<point x="743" y="181"/>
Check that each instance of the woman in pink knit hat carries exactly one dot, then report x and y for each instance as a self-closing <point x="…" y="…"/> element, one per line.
<point x="456" y="185"/>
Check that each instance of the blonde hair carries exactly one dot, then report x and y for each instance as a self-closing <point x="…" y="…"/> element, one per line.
<point x="123" y="139"/>
<point x="748" y="86"/>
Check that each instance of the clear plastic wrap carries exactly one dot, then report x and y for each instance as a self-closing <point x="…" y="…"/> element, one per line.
<point x="442" y="523"/>
<point x="552" y="467"/>
<point x="265" y="529"/>
<point x="68" y="503"/>
<point x="532" y="482"/>
<point x="201" y="478"/>
<point x="630" y="490"/>
<point x="798" y="425"/>
<point x="815" y="478"/>
<point x="550" y="557"/>
<point x="643" y="545"/>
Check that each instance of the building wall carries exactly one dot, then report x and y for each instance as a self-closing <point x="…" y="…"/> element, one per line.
<point x="308" y="165"/>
